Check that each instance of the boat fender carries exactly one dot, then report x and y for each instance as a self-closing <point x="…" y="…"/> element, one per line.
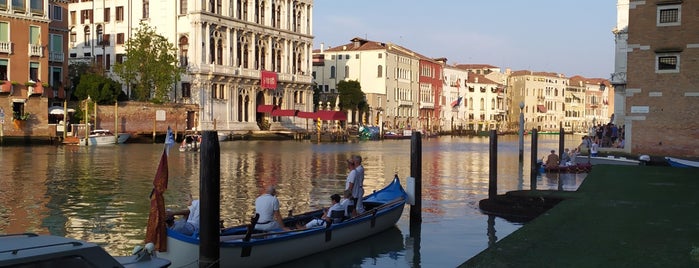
<point x="410" y="190"/>
<point x="644" y="159"/>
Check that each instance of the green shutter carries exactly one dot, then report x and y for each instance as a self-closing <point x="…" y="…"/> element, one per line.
<point x="4" y="32"/>
<point x="34" y="65"/>
<point x="34" y="33"/>
<point x="3" y="62"/>
<point x="56" y="43"/>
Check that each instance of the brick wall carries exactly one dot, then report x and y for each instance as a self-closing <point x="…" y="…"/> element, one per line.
<point x="670" y="127"/>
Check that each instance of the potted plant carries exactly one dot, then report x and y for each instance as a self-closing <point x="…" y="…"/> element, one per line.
<point x="19" y="118"/>
<point x="30" y="83"/>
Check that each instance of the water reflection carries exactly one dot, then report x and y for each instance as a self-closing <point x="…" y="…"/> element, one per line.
<point x="100" y="194"/>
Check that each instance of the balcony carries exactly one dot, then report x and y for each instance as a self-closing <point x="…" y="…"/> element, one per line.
<point x="303" y="78"/>
<point x="6" y="47"/>
<point x="35" y="50"/>
<point x="426" y="105"/>
<point x="405" y="103"/>
<point x="56" y="56"/>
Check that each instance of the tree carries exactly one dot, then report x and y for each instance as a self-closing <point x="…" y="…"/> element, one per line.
<point x="151" y="65"/>
<point x="351" y="96"/>
<point x="100" y="89"/>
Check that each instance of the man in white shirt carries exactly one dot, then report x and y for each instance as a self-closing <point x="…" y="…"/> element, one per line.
<point x="355" y="182"/>
<point x="189" y="223"/>
<point x="327" y="216"/>
<point x="267" y="205"/>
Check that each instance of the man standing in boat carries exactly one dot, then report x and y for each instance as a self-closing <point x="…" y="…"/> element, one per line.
<point x="267" y="205"/>
<point x="355" y="182"/>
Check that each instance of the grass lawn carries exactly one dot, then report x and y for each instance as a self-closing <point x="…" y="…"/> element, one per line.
<point x="621" y="216"/>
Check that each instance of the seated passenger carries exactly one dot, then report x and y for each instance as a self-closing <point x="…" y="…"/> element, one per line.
<point x="189" y="223"/>
<point x="328" y="213"/>
<point x="267" y="205"/>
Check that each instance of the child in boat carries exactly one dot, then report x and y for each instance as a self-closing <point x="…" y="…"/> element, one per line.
<point x="327" y="215"/>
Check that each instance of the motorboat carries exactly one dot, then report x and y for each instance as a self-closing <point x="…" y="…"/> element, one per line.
<point x="104" y="137"/>
<point x="32" y="250"/>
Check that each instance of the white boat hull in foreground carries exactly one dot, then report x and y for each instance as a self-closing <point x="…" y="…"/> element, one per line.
<point x="183" y="251"/>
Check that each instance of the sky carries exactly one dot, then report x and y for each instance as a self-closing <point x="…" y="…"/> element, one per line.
<point x="561" y="36"/>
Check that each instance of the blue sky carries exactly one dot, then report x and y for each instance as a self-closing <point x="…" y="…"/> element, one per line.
<point x="564" y="36"/>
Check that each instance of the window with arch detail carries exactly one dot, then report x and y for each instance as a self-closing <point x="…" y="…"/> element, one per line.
<point x="184" y="48"/>
<point x="379" y="70"/>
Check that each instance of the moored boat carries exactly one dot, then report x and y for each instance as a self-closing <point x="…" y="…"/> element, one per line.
<point x="577" y="168"/>
<point x="31" y="250"/>
<point x="383" y="209"/>
<point x="677" y="162"/>
<point x="606" y="160"/>
<point x="104" y="137"/>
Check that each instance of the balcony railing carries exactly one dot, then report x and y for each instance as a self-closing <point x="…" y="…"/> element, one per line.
<point x="6" y="47"/>
<point x="56" y="56"/>
<point x="35" y="50"/>
<point x="426" y="105"/>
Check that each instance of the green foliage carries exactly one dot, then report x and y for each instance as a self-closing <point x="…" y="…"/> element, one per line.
<point x="100" y="89"/>
<point x="351" y="95"/>
<point x="151" y="65"/>
<point x="75" y="71"/>
<point x="21" y="116"/>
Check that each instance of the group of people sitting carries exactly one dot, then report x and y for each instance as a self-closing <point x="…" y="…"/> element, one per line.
<point x="267" y="206"/>
<point x="567" y="158"/>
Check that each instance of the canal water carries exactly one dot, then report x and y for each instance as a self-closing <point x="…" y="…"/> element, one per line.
<point x="100" y="194"/>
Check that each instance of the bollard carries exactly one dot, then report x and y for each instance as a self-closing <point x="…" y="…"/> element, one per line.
<point x="493" y="178"/>
<point x="210" y="199"/>
<point x="416" y="172"/>
<point x="534" y="159"/>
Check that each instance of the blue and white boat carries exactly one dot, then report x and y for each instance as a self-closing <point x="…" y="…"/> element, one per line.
<point x="676" y="162"/>
<point x="238" y="248"/>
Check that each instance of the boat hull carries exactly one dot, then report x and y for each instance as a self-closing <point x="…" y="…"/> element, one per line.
<point x="105" y="140"/>
<point x="599" y="160"/>
<point x="183" y="251"/>
<point x="676" y="162"/>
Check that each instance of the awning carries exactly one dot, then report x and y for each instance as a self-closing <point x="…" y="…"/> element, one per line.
<point x="280" y="112"/>
<point x="59" y="110"/>
<point x="331" y="115"/>
<point x="309" y="115"/>
<point x="265" y="108"/>
<point x="541" y="108"/>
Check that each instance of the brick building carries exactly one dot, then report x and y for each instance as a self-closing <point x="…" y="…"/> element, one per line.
<point x="662" y="93"/>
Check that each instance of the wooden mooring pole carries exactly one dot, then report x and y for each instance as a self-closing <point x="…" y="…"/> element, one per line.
<point x="534" y="159"/>
<point x="493" y="168"/>
<point x="416" y="172"/>
<point x="210" y="199"/>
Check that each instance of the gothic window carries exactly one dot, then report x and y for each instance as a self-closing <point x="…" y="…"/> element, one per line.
<point x="184" y="48"/>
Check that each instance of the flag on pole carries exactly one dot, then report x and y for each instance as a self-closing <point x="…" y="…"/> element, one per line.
<point x="456" y="102"/>
<point x="156" y="231"/>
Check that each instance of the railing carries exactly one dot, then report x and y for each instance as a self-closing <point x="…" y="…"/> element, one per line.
<point x="426" y="105"/>
<point x="286" y="77"/>
<point x="405" y="103"/>
<point x="56" y="56"/>
<point x="35" y="50"/>
<point x="6" y="47"/>
<point x="302" y="78"/>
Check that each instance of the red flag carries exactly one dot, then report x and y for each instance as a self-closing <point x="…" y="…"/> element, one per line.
<point x="156" y="231"/>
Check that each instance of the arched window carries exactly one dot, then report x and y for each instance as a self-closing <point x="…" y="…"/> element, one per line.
<point x="184" y="48"/>
<point x="379" y="70"/>
<point x="87" y="36"/>
<point x="492" y="104"/>
<point x="482" y="104"/>
<point x="332" y="71"/>
<point x="470" y="100"/>
<point x="99" y="34"/>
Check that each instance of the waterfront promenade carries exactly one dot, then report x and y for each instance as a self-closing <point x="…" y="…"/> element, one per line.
<point x="621" y="216"/>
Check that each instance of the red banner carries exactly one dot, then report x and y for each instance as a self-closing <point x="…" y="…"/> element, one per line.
<point x="268" y="80"/>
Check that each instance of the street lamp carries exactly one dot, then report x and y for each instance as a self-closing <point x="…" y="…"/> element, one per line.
<point x="521" y="131"/>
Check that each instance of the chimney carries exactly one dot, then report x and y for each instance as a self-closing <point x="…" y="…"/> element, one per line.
<point x="322" y="47"/>
<point x="475" y="79"/>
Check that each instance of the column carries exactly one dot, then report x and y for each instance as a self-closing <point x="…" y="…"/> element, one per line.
<point x="252" y="48"/>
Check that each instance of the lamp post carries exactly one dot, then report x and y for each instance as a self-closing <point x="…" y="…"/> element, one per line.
<point x="521" y="131"/>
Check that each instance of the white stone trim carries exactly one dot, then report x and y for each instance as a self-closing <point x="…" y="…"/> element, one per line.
<point x="692" y="45"/>
<point x="636" y="118"/>
<point x="631" y="91"/>
<point x="634" y="4"/>
<point x="646" y="47"/>
<point x="691" y="94"/>
<point x="655" y="94"/>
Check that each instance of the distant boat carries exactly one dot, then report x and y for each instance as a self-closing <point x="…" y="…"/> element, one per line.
<point x="104" y="137"/>
<point x="676" y="162"/>
<point x="190" y="143"/>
